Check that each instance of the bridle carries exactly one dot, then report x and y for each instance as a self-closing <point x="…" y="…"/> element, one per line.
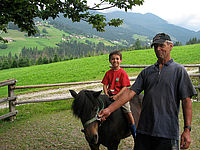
<point x="96" y="118"/>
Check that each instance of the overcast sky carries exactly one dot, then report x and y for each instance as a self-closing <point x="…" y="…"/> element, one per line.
<point x="185" y="13"/>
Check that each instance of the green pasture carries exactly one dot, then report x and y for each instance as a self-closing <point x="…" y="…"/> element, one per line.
<point x="91" y="68"/>
<point x="20" y="40"/>
<point x="52" y="125"/>
<point x="50" y="39"/>
<point x="140" y="37"/>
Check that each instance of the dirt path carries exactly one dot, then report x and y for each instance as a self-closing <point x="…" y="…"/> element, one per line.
<point x="55" y="93"/>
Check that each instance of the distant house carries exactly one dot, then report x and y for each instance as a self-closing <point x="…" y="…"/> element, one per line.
<point x="9" y="39"/>
<point x="115" y="41"/>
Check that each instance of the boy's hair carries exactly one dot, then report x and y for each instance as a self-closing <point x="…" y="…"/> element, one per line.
<point x="116" y="52"/>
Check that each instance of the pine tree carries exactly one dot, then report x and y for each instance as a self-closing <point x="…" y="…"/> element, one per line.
<point x="14" y="64"/>
<point x="55" y="59"/>
<point x="45" y="60"/>
<point x="39" y="61"/>
<point x="5" y="64"/>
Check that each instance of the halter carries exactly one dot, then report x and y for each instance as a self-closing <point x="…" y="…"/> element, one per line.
<point x="96" y="116"/>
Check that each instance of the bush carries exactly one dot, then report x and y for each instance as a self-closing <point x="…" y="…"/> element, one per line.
<point x="3" y="46"/>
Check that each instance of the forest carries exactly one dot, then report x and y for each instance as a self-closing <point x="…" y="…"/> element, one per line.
<point x="66" y="50"/>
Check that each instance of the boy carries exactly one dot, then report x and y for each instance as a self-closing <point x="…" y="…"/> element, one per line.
<point x="115" y="82"/>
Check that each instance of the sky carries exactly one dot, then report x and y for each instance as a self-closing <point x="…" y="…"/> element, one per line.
<point x="184" y="13"/>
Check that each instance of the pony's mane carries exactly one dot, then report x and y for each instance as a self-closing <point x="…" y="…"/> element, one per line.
<point x="84" y="103"/>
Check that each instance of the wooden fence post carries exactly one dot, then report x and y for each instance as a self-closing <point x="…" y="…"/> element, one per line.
<point x="12" y="103"/>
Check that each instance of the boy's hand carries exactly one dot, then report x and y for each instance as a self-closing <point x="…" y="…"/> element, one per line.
<point x="107" y="94"/>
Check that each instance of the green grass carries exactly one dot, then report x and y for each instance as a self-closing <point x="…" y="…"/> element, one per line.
<point x="90" y="68"/>
<point x="52" y="126"/>
<point x="140" y="37"/>
<point x="54" y="36"/>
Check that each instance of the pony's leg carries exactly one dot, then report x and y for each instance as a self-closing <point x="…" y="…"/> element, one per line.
<point x="94" y="147"/>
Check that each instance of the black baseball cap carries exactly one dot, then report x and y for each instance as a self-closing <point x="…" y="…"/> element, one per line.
<point x="160" y="38"/>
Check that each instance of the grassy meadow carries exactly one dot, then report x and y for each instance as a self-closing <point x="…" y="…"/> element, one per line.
<point x="91" y="68"/>
<point x="52" y="126"/>
<point x="54" y="36"/>
<point x="50" y="39"/>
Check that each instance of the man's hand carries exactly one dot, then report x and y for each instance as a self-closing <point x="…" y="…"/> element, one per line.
<point x="104" y="114"/>
<point x="185" y="139"/>
<point x="187" y="116"/>
<point x="122" y="99"/>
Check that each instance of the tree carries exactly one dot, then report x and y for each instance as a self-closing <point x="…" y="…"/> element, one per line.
<point x="23" y="12"/>
<point x="14" y="64"/>
<point x="45" y="60"/>
<point x="177" y="43"/>
<point x="138" y="44"/>
<point x="23" y="62"/>
<point x="55" y="59"/>
<point x="192" y="41"/>
<point x="39" y="61"/>
<point x="44" y="30"/>
<point x="5" y="64"/>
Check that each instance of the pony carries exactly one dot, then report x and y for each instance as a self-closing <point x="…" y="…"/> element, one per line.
<point x="86" y="106"/>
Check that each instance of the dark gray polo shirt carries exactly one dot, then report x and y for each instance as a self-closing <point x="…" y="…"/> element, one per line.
<point x="163" y="90"/>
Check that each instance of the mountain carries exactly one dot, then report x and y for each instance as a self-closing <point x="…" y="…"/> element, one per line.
<point x="145" y="25"/>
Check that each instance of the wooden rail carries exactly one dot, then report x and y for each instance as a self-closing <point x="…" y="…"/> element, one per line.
<point x="38" y="101"/>
<point x="58" y="84"/>
<point x="8" y="82"/>
<point x="144" y="66"/>
<point x="8" y="99"/>
<point x="8" y="115"/>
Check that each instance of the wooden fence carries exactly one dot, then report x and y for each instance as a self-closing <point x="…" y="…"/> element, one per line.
<point x="12" y="99"/>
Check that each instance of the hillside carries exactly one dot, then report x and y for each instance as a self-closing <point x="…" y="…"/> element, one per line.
<point x="134" y="24"/>
<point x="49" y="37"/>
<point x="91" y="68"/>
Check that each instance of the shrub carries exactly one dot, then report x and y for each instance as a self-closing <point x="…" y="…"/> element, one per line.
<point x="3" y="46"/>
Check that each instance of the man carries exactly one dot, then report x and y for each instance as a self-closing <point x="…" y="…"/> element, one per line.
<point x="165" y="83"/>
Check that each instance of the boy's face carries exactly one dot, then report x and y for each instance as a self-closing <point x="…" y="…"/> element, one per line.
<point x="115" y="61"/>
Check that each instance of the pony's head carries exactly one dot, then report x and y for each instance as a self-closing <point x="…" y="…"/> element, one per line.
<point x="86" y="106"/>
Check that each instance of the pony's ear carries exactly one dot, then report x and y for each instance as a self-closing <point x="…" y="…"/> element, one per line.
<point x="73" y="93"/>
<point x="96" y="94"/>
